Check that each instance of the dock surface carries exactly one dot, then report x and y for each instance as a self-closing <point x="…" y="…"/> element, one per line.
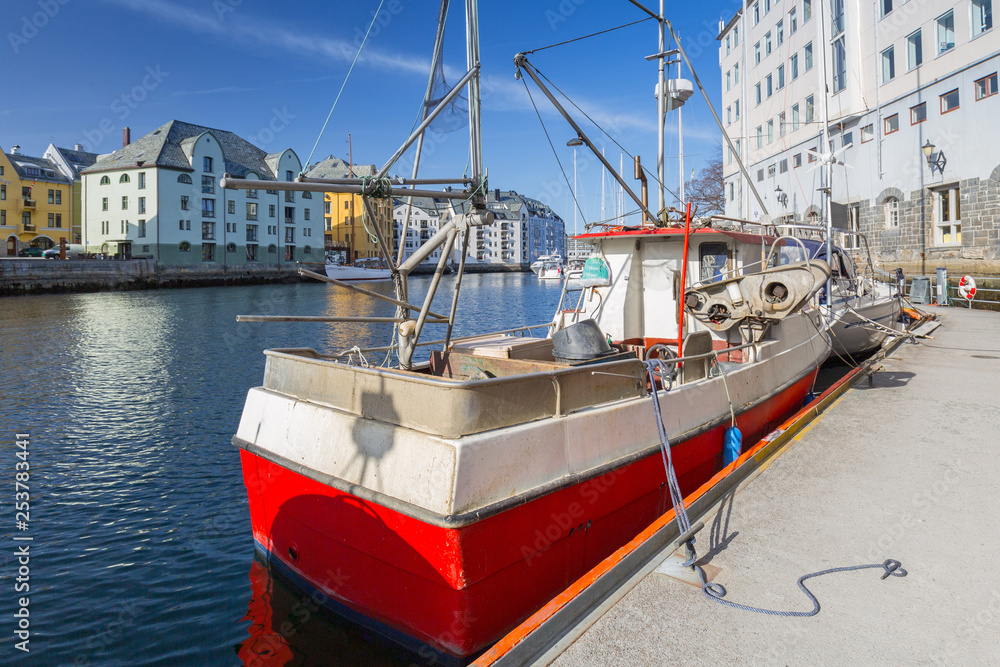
<point x="908" y="468"/>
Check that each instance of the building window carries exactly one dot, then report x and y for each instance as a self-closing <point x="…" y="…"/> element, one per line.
<point x="755" y="12"/>
<point x="986" y="87"/>
<point x="729" y="115"/>
<point x="760" y="175"/>
<point x="288" y="175"/>
<point x="783" y="166"/>
<point x="760" y="136"/>
<point x="207" y="164"/>
<point x="289" y="235"/>
<point x="792" y="21"/>
<point x="756" y="94"/>
<point x="949" y="101"/>
<point x="736" y="106"/>
<point x="795" y="117"/>
<point x="305" y="214"/>
<point x="736" y="35"/>
<point x="231" y="207"/>
<point x="794" y="66"/>
<point x="125" y="203"/>
<point x="918" y="114"/>
<point x="207" y="185"/>
<point x="807" y="10"/>
<point x="728" y="44"/>
<point x="251" y="194"/>
<point x="272" y="249"/>
<point x="185" y="202"/>
<point x="124" y="179"/>
<point x="142" y="229"/>
<point x="3" y="193"/>
<point x="736" y="73"/>
<point x="208" y="252"/>
<point x="184" y="246"/>
<point x="847" y="139"/>
<point x="888" y="65"/>
<point x="52" y="196"/>
<point x="289" y="196"/>
<point x="251" y="233"/>
<point x="867" y="133"/>
<point x="982" y="16"/>
<point x="251" y="253"/>
<point x="52" y="220"/>
<point x="181" y="225"/>
<point x="251" y="210"/>
<point x="105" y="180"/>
<point x="807" y="53"/>
<point x="839" y="65"/>
<point x="230" y="247"/>
<point x="797" y="160"/>
<point x="770" y="171"/>
<point x="885" y="6"/>
<point x="271" y="208"/>
<point x="809" y="109"/>
<point x="307" y="195"/>
<point x="290" y="253"/>
<point x="208" y="231"/>
<point x="767" y="43"/>
<point x="142" y="204"/>
<point x="770" y="131"/>
<point x="289" y="215"/>
<point x="946" y="32"/>
<point x="781" y="77"/>
<point x="779" y="33"/>
<point x="948" y="216"/>
<point x="837" y="9"/>
<point x="767" y="85"/>
<point x="892" y="124"/>
<point x="756" y="53"/>
<point x="3" y="218"/>
<point x="142" y="180"/>
<point x="185" y="178"/>
<point x="729" y="81"/>
<point x="811" y="155"/>
<point x="914" y="50"/>
<point x="782" y="128"/>
<point x="208" y="208"/>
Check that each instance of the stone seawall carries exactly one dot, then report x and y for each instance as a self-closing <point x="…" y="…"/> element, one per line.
<point x="30" y="275"/>
<point x="27" y="276"/>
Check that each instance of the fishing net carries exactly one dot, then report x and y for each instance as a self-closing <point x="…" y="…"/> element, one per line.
<point x="456" y="115"/>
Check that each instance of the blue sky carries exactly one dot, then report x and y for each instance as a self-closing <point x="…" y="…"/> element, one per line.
<point x="80" y="70"/>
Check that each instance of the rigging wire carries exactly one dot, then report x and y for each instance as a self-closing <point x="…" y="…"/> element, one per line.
<point x="344" y="85"/>
<point x="558" y="161"/>
<point x="605" y="132"/>
<point x="595" y="34"/>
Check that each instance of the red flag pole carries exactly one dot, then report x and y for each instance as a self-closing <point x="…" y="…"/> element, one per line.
<point x="684" y="269"/>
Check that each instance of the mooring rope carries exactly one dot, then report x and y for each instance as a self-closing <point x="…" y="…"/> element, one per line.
<point x="714" y="591"/>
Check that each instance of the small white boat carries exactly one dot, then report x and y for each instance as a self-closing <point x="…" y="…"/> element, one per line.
<point x="862" y="312"/>
<point x="548" y="267"/>
<point x="363" y="269"/>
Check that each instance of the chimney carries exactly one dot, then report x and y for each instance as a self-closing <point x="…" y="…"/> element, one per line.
<point x="126" y="136"/>
<point x="15" y="150"/>
<point x="78" y="147"/>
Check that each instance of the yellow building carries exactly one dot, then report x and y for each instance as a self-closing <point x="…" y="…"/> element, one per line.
<point x="35" y="203"/>
<point x="345" y="232"/>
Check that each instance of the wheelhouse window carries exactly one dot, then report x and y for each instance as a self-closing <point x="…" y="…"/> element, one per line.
<point x="713" y="259"/>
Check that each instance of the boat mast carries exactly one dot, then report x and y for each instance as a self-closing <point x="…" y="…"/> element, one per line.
<point x="662" y="99"/>
<point x="826" y="152"/>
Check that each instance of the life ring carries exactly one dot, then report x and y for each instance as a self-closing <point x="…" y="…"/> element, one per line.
<point x="967" y="287"/>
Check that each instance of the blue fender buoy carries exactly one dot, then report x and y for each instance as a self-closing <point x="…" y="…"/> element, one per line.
<point x="732" y="446"/>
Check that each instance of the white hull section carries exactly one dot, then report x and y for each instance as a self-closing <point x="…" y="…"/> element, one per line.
<point x="458" y="475"/>
<point x="851" y="328"/>
<point x="343" y="272"/>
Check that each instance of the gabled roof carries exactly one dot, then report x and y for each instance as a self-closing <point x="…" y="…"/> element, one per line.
<point x="334" y="167"/>
<point x="165" y="147"/>
<point x="48" y="171"/>
<point x="73" y="161"/>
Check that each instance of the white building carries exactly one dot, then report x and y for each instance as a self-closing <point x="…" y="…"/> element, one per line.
<point x="159" y="196"/>
<point x="424" y="222"/>
<point x="902" y="77"/>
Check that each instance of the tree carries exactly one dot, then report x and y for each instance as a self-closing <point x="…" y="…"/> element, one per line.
<point x="708" y="192"/>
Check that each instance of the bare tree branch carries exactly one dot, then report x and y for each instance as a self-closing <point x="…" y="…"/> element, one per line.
<point x="707" y="191"/>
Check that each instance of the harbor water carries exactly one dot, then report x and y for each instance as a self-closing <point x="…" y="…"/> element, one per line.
<point x="140" y="541"/>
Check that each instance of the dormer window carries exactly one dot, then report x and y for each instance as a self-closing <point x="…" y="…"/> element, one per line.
<point x="208" y="164"/>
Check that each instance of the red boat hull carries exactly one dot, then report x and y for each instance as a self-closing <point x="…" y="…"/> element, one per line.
<point x="458" y="589"/>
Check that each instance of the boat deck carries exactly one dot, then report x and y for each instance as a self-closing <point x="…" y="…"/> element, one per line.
<point x="905" y="468"/>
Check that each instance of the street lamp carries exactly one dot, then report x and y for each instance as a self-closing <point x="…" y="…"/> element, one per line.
<point x="781" y="196"/>
<point x="934" y="160"/>
<point x="574" y="142"/>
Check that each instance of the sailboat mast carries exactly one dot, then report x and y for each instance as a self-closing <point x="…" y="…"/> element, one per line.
<point x="825" y="150"/>
<point x="475" y="128"/>
<point x="661" y="117"/>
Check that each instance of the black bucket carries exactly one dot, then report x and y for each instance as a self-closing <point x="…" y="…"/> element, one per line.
<point x="582" y="341"/>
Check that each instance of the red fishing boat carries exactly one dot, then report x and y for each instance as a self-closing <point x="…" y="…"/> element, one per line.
<point x="441" y="503"/>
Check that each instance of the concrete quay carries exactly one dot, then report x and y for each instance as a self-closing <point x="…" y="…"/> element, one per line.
<point x="906" y="468"/>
